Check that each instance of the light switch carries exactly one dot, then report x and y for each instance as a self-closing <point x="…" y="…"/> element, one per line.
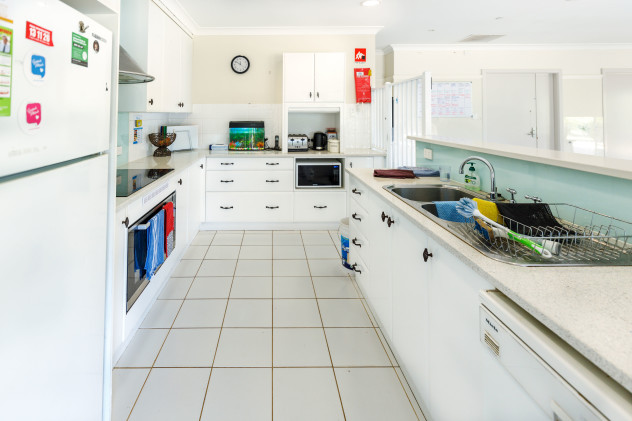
<point x="428" y="153"/>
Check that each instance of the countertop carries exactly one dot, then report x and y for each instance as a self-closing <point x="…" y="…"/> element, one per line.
<point x="613" y="167"/>
<point x="180" y="161"/>
<point x="588" y="307"/>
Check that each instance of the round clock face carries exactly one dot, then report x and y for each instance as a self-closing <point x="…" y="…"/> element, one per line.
<point x="240" y="64"/>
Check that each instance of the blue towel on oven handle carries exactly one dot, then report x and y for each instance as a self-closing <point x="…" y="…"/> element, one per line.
<point x="155" y="243"/>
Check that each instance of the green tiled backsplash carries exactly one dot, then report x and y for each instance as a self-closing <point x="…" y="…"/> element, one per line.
<point x="609" y="195"/>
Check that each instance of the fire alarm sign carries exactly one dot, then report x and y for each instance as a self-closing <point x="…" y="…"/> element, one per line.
<point x="360" y="55"/>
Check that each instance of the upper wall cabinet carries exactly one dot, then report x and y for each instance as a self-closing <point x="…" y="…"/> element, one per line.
<point x="313" y="77"/>
<point x="161" y="47"/>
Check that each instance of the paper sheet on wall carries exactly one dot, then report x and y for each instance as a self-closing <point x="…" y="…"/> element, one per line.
<point x="6" y="65"/>
<point x="452" y="99"/>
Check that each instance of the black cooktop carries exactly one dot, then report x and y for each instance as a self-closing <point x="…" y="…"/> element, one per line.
<point x="132" y="180"/>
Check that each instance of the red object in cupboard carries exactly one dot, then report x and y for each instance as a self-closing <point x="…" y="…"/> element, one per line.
<point x="362" y="85"/>
<point x="169" y="225"/>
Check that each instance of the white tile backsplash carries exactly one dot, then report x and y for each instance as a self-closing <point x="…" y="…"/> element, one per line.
<point x="151" y="124"/>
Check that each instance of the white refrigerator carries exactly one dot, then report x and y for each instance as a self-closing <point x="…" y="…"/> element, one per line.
<point x="54" y="137"/>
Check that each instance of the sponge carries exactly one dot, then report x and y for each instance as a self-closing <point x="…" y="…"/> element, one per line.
<point x="489" y="209"/>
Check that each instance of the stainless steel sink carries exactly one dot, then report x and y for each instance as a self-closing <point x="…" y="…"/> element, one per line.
<point x="431" y="193"/>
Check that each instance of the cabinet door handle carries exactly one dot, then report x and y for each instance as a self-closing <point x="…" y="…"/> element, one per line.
<point x="126" y="222"/>
<point x="355" y="242"/>
<point x="320" y="207"/>
<point x="151" y="101"/>
<point x="180" y="181"/>
<point x="272" y="207"/>
<point x="225" y="207"/>
<point x="355" y="216"/>
<point x="226" y="181"/>
<point x="426" y="255"/>
<point x="317" y="94"/>
<point x="384" y="216"/>
<point x="227" y="163"/>
<point x="310" y="94"/>
<point x="354" y="266"/>
<point x="355" y="191"/>
<point x="272" y="181"/>
<point x="202" y="166"/>
<point x="390" y="221"/>
<point x="272" y="163"/>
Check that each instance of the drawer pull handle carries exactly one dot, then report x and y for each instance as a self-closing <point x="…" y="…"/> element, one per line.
<point x="426" y="255"/>
<point x="126" y="222"/>
<point x="353" y="266"/>
<point x="180" y="181"/>
<point x="355" y="242"/>
<point x="355" y="216"/>
<point x="227" y="163"/>
<point x="390" y="221"/>
<point x="226" y="181"/>
<point x="272" y="207"/>
<point x="384" y="216"/>
<point x="272" y="163"/>
<point x="320" y="207"/>
<point x="226" y="207"/>
<point x="272" y="181"/>
<point x="355" y="191"/>
<point x="202" y="166"/>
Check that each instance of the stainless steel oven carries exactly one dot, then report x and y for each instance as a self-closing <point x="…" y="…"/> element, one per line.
<point x="318" y="173"/>
<point x="141" y="242"/>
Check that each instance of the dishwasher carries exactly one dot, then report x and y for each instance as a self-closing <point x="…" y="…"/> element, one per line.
<point x="562" y="382"/>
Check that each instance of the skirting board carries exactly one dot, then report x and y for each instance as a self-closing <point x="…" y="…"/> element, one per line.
<point x="279" y="226"/>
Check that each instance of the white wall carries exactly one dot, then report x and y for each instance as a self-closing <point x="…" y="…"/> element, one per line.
<point x="580" y="67"/>
<point x="214" y="82"/>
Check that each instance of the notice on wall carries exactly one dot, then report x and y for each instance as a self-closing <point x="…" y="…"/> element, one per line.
<point x="6" y="65"/>
<point x="452" y="99"/>
<point x="79" y="50"/>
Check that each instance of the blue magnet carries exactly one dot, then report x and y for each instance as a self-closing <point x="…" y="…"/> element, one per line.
<point x="38" y="65"/>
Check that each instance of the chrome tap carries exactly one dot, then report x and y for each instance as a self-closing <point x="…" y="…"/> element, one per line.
<point x="492" y="174"/>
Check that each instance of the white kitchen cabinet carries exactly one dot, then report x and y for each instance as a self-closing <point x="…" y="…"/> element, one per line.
<point x="225" y="181"/>
<point x="248" y="207"/>
<point x="359" y="162"/>
<point x="196" y="199"/>
<point x="313" y="77"/>
<point x="311" y="206"/>
<point x="161" y="48"/>
<point x="411" y="313"/>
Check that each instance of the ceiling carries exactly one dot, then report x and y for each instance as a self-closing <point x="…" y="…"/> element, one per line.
<point x="430" y="21"/>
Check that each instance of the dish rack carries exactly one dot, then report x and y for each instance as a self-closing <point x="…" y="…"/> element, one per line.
<point x="585" y="237"/>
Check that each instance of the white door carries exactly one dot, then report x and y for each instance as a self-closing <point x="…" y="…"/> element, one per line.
<point x="410" y="303"/>
<point x="298" y="77"/>
<point x="172" y="67"/>
<point x="155" y="57"/>
<point x="329" y="77"/>
<point x="519" y="109"/>
<point x="617" y="108"/>
<point x="186" y="45"/>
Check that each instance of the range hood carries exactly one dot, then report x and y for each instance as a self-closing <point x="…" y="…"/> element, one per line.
<point x="130" y="71"/>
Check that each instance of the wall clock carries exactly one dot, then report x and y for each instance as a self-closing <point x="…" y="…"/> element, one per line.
<point x="240" y="64"/>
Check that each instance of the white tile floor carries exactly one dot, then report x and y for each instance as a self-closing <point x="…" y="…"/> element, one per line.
<point x="261" y="325"/>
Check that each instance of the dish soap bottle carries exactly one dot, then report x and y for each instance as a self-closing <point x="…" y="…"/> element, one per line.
<point x="471" y="178"/>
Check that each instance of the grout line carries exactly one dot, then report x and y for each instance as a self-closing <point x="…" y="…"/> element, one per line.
<point x="326" y="341"/>
<point x="401" y="382"/>
<point x="219" y="337"/>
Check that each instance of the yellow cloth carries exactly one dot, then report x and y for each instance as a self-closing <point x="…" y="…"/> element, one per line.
<point x="487" y="208"/>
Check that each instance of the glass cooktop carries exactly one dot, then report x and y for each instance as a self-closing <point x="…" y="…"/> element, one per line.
<point x="132" y="180"/>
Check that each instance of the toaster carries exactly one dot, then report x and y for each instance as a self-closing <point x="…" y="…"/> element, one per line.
<point x="297" y="143"/>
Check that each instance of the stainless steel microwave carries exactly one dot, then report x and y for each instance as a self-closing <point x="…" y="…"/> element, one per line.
<point x="315" y="173"/>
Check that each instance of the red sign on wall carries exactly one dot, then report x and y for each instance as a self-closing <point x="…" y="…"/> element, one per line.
<point x="360" y="55"/>
<point x="39" y="34"/>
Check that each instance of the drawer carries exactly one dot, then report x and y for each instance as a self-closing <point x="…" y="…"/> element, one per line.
<point x="358" y="192"/>
<point x="319" y="206"/>
<point x="248" y="207"/>
<point x="361" y="272"/>
<point x="358" y="218"/>
<point x="256" y="181"/>
<point x="358" y="244"/>
<point x="250" y="164"/>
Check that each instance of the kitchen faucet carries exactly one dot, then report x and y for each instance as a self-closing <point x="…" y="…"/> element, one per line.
<point x="492" y="174"/>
